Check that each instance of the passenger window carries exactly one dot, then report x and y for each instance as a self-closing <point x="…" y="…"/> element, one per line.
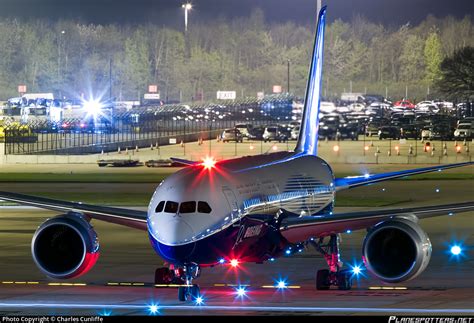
<point x="187" y="207"/>
<point x="203" y="207"/>
<point x="160" y="206"/>
<point x="171" y="207"/>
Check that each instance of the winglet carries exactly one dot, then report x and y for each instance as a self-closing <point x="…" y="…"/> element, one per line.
<point x="308" y="138"/>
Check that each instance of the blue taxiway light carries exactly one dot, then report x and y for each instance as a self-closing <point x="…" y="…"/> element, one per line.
<point x="349" y="231"/>
<point x="272" y="259"/>
<point x="152" y="309"/>
<point x="281" y="284"/>
<point x="222" y="260"/>
<point x="356" y="270"/>
<point x="288" y="252"/>
<point x="241" y="291"/>
<point x="199" y="300"/>
<point x="456" y="250"/>
<point x="105" y="313"/>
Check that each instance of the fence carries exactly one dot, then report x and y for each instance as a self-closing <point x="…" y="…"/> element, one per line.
<point x="141" y="127"/>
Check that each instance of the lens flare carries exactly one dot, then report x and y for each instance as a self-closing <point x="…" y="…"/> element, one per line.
<point x="241" y="291"/>
<point x="199" y="300"/>
<point x="281" y="284"/>
<point x="152" y="309"/>
<point x="456" y="250"/>
<point x="208" y="163"/>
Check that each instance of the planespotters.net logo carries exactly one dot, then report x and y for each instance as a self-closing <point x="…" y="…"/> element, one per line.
<point x="406" y="319"/>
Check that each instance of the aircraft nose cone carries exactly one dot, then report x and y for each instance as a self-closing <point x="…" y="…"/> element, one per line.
<point x="174" y="237"/>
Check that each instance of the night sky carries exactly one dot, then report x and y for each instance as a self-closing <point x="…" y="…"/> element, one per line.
<point x="169" y="12"/>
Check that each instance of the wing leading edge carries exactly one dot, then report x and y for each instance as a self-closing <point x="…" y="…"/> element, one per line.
<point x="130" y="218"/>
<point x="298" y="229"/>
<point x="355" y="181"/>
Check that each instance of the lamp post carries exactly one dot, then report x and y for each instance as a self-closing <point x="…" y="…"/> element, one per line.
<point x="288" y="76"/>
<point x="59" y="55"/>
<point x="186" y="7"/>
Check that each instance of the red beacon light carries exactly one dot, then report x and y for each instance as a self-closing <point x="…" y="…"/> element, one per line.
<point x="234" y="263"/>
<point x="208" y="163"/>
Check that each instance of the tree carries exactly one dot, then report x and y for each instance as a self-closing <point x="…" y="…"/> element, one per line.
<point x="433" y="58"/>
<point x="457" y="75"/>
<point x="137" y="63"/>
<point x="411" y="59"/>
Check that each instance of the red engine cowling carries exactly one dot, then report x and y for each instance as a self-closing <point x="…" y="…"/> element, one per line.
<point x="396" y="250"/>
<point x="65" y="246"/>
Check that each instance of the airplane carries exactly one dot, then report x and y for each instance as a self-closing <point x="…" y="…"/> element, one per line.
<point x="248" y="209"/>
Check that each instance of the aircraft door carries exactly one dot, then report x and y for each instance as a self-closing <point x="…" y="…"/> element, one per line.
<point x="232" y="201"/>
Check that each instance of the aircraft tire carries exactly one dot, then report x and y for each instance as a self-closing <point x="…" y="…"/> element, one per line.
<point x="322" y="279"/>
<point x="344" y="280"/>
<point x="182" y="294"/>
<point x="194" y="292"/>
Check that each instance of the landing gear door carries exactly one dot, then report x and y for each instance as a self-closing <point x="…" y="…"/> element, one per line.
<point x="232" y="201"/>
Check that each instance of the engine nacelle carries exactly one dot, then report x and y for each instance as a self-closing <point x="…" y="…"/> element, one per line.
<point x="396" y="250"/>
<point x="65" y="246"/>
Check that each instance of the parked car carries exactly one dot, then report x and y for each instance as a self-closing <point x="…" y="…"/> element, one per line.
<point x="437" y="132"/>
<point x="273" y="133"/>
<point x="244" y="129"/>
<point x="232" y="134"/>
<point x="349" y="130"/>
<point x="409" y="131"/>
<point x="390" y="132"/>
<point x="295" y="132"/>
<point x="464" y="131"/>
<point x="256" y="133"/>
<point x="404" y="104"/>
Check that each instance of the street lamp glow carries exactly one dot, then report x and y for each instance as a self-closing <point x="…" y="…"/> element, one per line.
<point x="186" y="7"/>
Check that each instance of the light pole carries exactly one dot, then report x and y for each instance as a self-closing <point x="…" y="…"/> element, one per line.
<point x="186" y="7"/>
<point x="59" y="55"/>
<point x="288" y="76"/>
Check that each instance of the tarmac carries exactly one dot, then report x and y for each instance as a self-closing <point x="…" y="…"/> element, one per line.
<point x="122" y="280"/>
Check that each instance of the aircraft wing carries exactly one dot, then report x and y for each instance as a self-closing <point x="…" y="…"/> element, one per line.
<point x="130" y="218"/>
<point x="184" y="162"/>
<point x="354" y="181"/>
<point x="299" y="229"/>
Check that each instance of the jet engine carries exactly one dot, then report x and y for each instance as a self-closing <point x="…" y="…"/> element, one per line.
<point x="65" y="246"/>
<point x="396" y="250"/>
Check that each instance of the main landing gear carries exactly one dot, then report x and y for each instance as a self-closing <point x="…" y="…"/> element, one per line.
<point x="334" y="275"/>
<point x="181" y="276"/>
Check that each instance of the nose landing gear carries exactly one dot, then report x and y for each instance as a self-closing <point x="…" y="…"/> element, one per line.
<point x="334" y="276"/>
<point x="183" y="277"/>
<point x="190" y="291"/>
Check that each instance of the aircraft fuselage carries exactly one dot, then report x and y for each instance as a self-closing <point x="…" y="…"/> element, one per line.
<point x="233" y="209"/>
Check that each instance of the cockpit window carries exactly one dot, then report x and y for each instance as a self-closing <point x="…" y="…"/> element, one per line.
<point x="171" y="207"/>
<point x="203" y="207"/>
<point x="187" y="207"/>
<point x="159" y="207"/>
